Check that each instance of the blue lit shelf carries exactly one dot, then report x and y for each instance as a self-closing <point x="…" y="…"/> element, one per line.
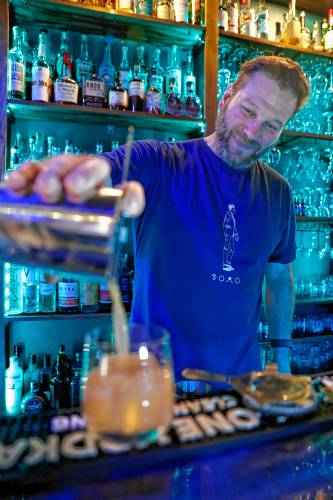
<point x="56" y="317"/>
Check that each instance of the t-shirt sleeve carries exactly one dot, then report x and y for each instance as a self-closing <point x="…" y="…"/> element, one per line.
<point x="285" y="250"/>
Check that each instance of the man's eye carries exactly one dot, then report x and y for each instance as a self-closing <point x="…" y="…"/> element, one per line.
<point x="247" y="111"/>
<point x="271" y="127"/>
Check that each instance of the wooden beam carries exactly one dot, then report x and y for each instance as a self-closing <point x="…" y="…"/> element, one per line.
<point x="211" y="63"/>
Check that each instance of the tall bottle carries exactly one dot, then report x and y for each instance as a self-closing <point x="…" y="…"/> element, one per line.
<point x="31" y="374"/>
<point x="154" y="95"/>
<point x="64" y="360"/>
<point x="13" y="289"/>
<point x="83" y="66"/>
<point x="16" y="68"/>
<point x="247" y="24"/>
<point x="197" y="12"/>
<point x="262" y="19"/>
<point x="124" y="68"/>
<point x="88" y="296"/>
<point x="64" y="47"/>
<point x="41" y="72"/>
<point x="66" y="89"/>
<point x="106" y="70"/>
<point x="140" y="66"/>
<point x="181" y="10"/>
<point x="328" y="36"/>
<point x="68" y="295"/>
<point x="118" y="95"/>
<point x="104" y="297"/>
<point x="27" y="52"/>
<point x="223" y="16"/>
<point x="60" y="387"/>
<point x="174" y="71"/>
<point x="13" y="387"/>
<point x="293" y="26"/>
<point x="164" y="10"/>
<point x="45" y="376"/>
<point x="305" y="34"/>
<point x="136" y="92"/>
<point x="233" y="16"/>
<point x="75" y="389"/>
<point x="316" y="41"/>
<point x="30" y="290"/>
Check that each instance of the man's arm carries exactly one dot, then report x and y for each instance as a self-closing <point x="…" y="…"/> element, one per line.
<point x="279" y="301"/>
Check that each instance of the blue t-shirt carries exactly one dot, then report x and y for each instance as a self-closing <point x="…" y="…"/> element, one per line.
<point x="201" y="247"/>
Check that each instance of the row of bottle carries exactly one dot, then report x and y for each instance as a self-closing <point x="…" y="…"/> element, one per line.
<point x="241" y="18"/>
<point x="45" y="78"/>
<point x="31" y="389"/>
<point x="30" y="291"/>
<point x="303" y="326"/>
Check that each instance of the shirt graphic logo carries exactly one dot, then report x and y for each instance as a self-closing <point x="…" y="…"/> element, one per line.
<point x="230" y="236"/>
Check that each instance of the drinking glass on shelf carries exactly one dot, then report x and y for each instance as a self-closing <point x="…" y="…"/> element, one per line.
<point x="224" y="74"/>
<point x="129" y="396"/>
<point x="273" y="157"/>
<point x="328" y="126"/>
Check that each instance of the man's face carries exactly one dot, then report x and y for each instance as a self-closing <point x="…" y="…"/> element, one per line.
<point x="251" y="121"/>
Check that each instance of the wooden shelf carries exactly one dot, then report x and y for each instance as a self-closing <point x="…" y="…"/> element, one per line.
<point x="319" y="220"/>
<point x="28" y="110"/>
<point x="275" y="46"/>
<point x="55" y="317"/>
<point x="308" y="135"/>
<point x="316" y="7"/>
<point x="100" y="21"/>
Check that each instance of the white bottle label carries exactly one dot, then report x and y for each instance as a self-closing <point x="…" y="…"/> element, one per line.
<point x="328" y="40"/>
<point x="164" y="12"/>
<point x="125" y="4"/>
<point x="40" y="82"/>
<point x="118" y="98"/>
<point x="233" y="19"/>
<point x="224" y="19"/>
<point x="16" y="76"/>
<point x="68" y="294"/>
<point x="181" y="10"/>
<point x="13" y="392"/>
<point x="94" y="89"/>
<point x="136" y="88"/>
<point x="177" y="75"/>
<point x="66" y="92"/>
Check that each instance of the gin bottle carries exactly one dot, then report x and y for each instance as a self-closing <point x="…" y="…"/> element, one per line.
<point x="83" y="65"/>
<point x="136" y="92"/>
<point x="27" y="52"/>
<point x="262" y="19"/>
<point x="41" y="72"/>
<point x="106" y="70"/>
<point x="30" y="290"/>
<point x="118" y="96"/>
<point x="124" y="68"/>
<point x="140" y="67"/>
<point x="65" y="88"/>
<point x="174" y="72"/>
<point x="173" y="100"/>
<point x="93" y="90"/>
<point x="16" y="68"/>
<point x="13" y="387"/>
<point x="47" y="295"/>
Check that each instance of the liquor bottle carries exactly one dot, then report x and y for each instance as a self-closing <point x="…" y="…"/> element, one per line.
<point x="99" y="148"/>
<point x="164" y="10"/>
<point x="262" y="19"/>
<point x="157" y="71"/>
<point x="64" y="47"/>
<point x="35" y="401"/>
<point x="30" y="290"/>
<point x="305" y="34"/>
<point x="65" y="88"/>
<point x="247" y="25"/>
<point x="60" y="387"/>
<point x="316" y="40"/>
<point x="233" y="16"/>
<point x="13" y="289"/>
<point x="188" y="73"/>
<point x="27" y="52"/>
<point x="68" y="295"/>
<point x="154" y="97"/>
<point x="278" y="32"/>
<point x="51" y="145"/>
<point x="136" y="92"/>
<point x="14" y="160"/>
<point x="140" y="66"/>
<point x="47" y="295"/>
<point x="69" y="148"/>
<point x="18" y="352"/>
<point x="197" y="14"/>
<point x="77" y="363"/>
<point x="106" y="70"/>
<point x="293" y="27"/>
<point x="16" y="68"/>
<point x="19" y="143"/>
<point x="192" y="104"/>
<point x="31" y="374"/>
<point x="125" y="282"/>
<point x="181" y="10"/>
<point x="143" y="7"/>
<point x="39" y="146"/>
<point x="45" y="376"/>
<point x="124" y="68"/>
<point x="125" y="6"/>
<point x="88" y="296"/>
<point x="118" y="96"/>
<point x="75" y="388"/>
<point x="174" y="72"/>
<point x="104" y="298"/>
<point x="223" y="16"/>
<point x="64" y="360"/>
<point x="13" y="387"/>
<point x="83" y="66"/>
<point x="93" y="90"/>
<point x="32" y="155"/>
<point x="328" y="36"/>
<point x="173" y="100"/>
<point x="41" y="72"/>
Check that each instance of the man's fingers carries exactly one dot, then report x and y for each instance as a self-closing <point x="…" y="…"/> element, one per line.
<point x="133" y="202"/>
<point x="83" y="181"/>
<point x="21" y="181"/>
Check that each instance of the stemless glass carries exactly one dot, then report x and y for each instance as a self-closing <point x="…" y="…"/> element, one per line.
<point x="128" y="397"/>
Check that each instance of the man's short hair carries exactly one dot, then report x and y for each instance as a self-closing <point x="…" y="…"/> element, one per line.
<point x="288" y="74"/>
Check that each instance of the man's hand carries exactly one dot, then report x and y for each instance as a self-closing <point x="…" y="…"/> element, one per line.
<point x="76" y="177"/>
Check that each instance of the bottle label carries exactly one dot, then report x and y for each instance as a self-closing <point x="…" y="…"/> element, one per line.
<point x="104" y="293"/>
<point x="125" y="76"/>
<point x="30" y="297"/>
<point x="68" y="294"/>
<point x="328" y="40"/>
<point x="47" y="289"/>
<point x="153" y="102"/>
<point x="16" y="76"/>
<point x="33" y="406"/>
<point x="14" y="289"/>
<point x="144" y="7"/>
<point x="224" y="19"/>
<point x="181" y="10"/>
<point x="88" y="294"/>
<point x="117" y="98"/>
<point x="164" y="12"/>
<point x="125" y="4"/>
<point x="136" y="88"/>
<point x="262" y="23"/>
<point x="233" y="19"/>
<point x="40" y="82"/>
<point x="94" y="88"/>
<point x="176" y="75"/>
<point x="66" y="92"/>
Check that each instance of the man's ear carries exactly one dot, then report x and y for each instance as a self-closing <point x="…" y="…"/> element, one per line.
<point x="226" y="96"/>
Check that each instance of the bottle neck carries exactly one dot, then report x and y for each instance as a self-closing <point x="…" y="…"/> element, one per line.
<point x="107" y="55"/>
<point x="84" y="56"/>
<point x="174" y="57"/>
<point x="42" y="47"/>
<point x="124" y="60"/>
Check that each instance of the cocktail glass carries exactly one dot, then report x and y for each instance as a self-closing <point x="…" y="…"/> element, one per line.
<point x="128" y="397"/>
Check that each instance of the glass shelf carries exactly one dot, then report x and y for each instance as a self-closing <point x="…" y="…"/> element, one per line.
<point x="275" y="46"/>
<point x="100" y="21"/>
<point x="55" y="317"/>
<point x="319" y="220"/>
<point x="313" y="338"/>
<point x="294" y="134"/>
<point x="314" y="300"/>
<point x="29" y="110"/>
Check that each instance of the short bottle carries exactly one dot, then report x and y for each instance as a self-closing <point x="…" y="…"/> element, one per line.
<point x="192" y="104"/>
<point x="136" y="91"/>
<point x="60" y="387"/>
<point x="118" y="96"/>
<point x="30" y="290"/>
<point x="34" y="402"/>
<point x="13" y="387"/>
<point x="305" y="34"/>
<point x="93" y="90"/>
<point x="47" y="295"/>
<point x="173" y="100"/>
<point x="88" y="296"/>
<point x="66" y="89"/>
<point x="68" y="295"/>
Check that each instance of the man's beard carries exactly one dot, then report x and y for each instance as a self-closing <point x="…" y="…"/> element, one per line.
<point x="223" y="136"/>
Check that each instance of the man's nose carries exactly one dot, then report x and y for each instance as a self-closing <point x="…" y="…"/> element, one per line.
<point x="252" y="129"/>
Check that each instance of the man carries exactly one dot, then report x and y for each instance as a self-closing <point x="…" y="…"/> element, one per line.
<point x="212" y="313"/>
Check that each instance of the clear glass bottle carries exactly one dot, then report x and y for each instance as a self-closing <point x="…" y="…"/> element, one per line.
<point x="174" y="71"/>
<point x="41" y="72"/>
<point x="125" y="6"/>
<point x="39" y="146"/>
<point x="51" y="145"/>
<point x="188" y="72"/>
<point x="293" y="26"/>
<point x="66" y="89"/>
<point x="223" y="16"/>
<point x="157" y="71"/>
<point x="99" y="148"/>
<point x="27" y="52"/>
<point x="13" y="289"/>
<point x="164" y="10"/>
<point x="173" y="99"/>
<point x="247" y="25"/>
<point x="45" y="376"/>
<point x="64" y="47"/>
<point x="143" y="7"/>
<point x="305" y="34"/>
<point x="125" y="69"/>
<point x="68" y="295"/>
<point x="316" y="40"/>
<point x="31" y="374"/>
<point x="192" y="104"/>
<point x="93" y="90"/>
<point x="154" y="97"/>
<point x="30" y="290"/>
<point x="233" y="16"/>
<point x="181" y="10"/>
<point x="140" y="66"/>
<point x="118" y="96"/>
<point x="262" y="20"/>
<point x="106" y="70"/>
<point x="19" y="353"/>
<point x="328" y="35"/>
<point x="16" y="84"/>
<point x="20" y="144"/>
<point x="13" y="387"/>
<point x="35" y="401"/>
<point x="83" y="66"/>
<point x="136" y="92"/>
<point x="104" y="297"/>
<point x="47" y="295"/>
<point x="88" y="296"/>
